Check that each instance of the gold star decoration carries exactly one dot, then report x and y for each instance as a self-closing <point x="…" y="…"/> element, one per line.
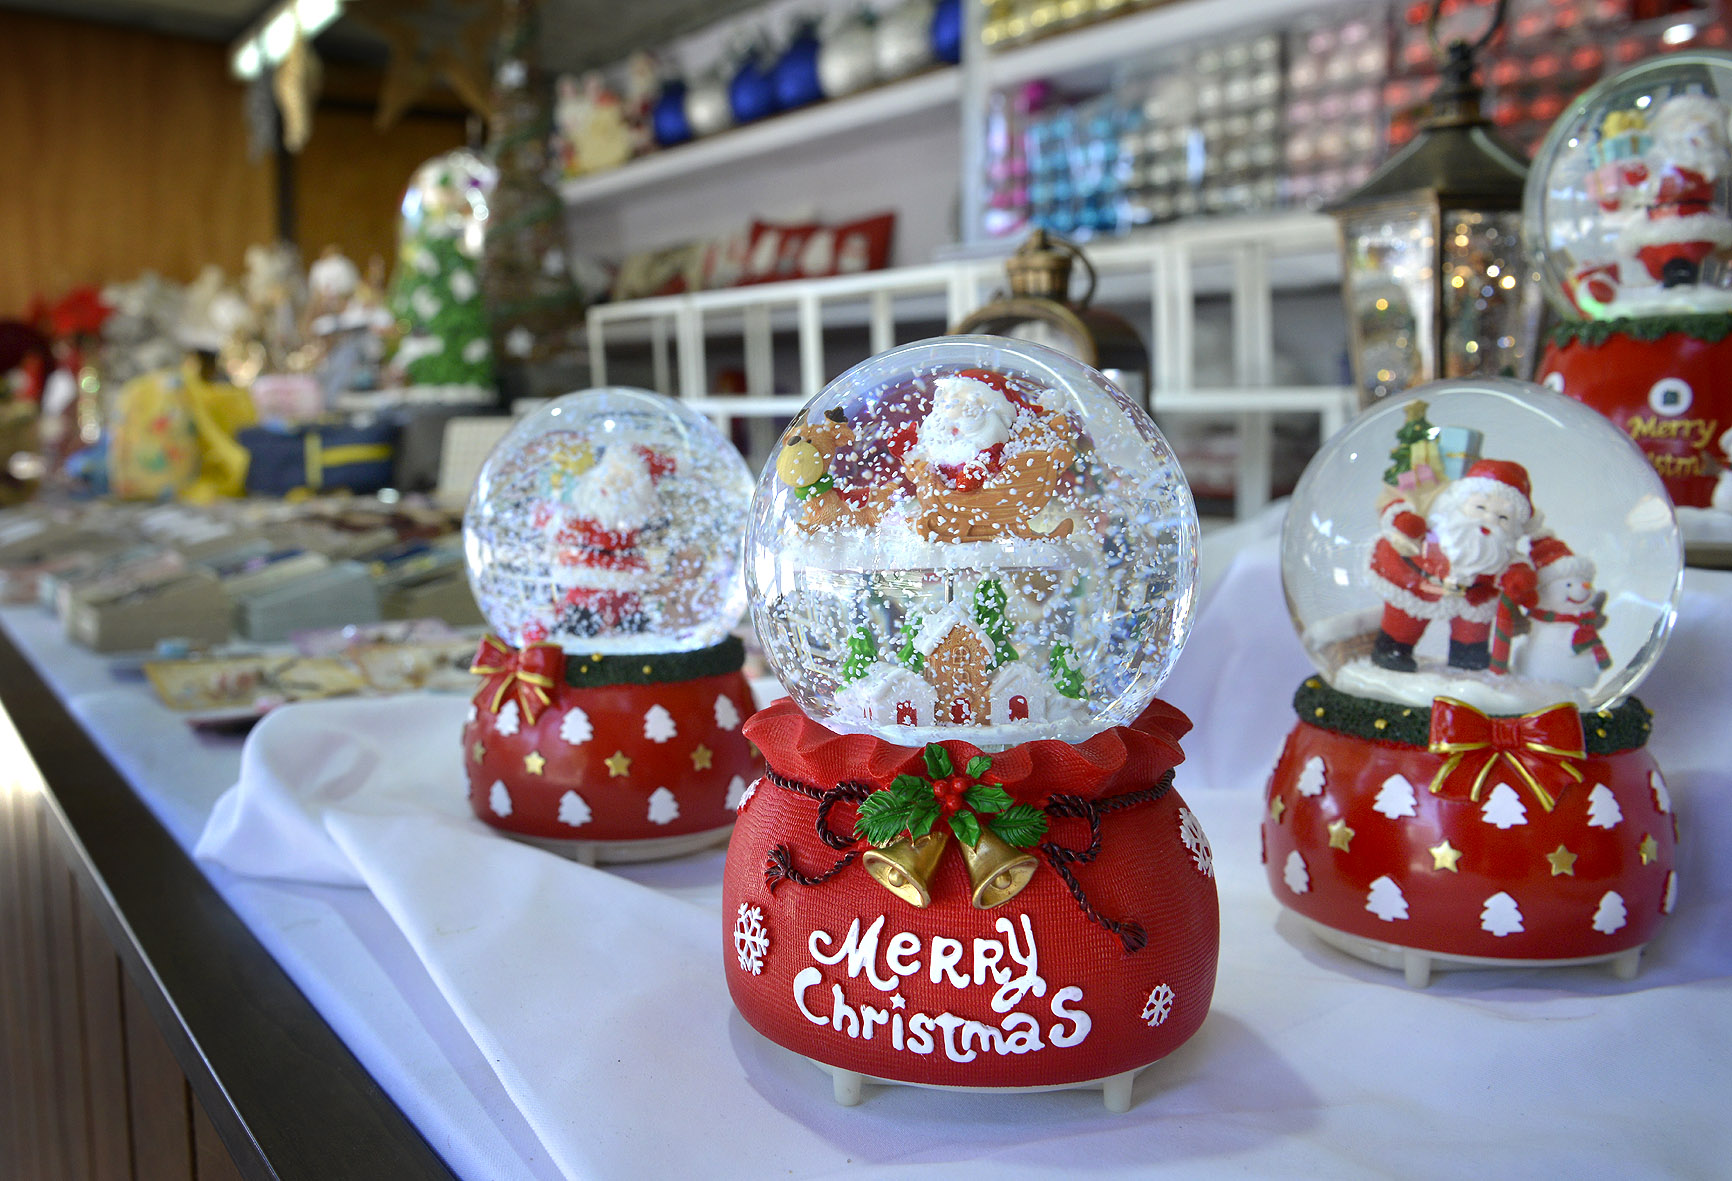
<point x="701" y="758"/>
<point x="1563" y="862"/>
<point x="431" y="40"/>
<point x="477" y="751"/>
<point x="1340" y="836"/>
<point x="1445" y="856"/>
<point x="1276" y="807"/>
<point x="1649" y="848"/>
<point x="534" y="762"/>
<point x="618" y="766"/>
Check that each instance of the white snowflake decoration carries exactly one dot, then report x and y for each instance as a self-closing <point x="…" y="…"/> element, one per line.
<point x="1294" y="873"/>
<point x="751" y="939"/>
<point x="1385" y="899"/>
<point x="1603" y="810"/>
<point x="462" y="285"/>
<point x="508" y="721"/>
<point x="469" y="715"/>
<point x="573" y="810"/>
<point x="476" y="351"/>
<point x="658" y="724"/>
<point x="1312" y="777"/>
<point x="727" y="714"/>
<point x="1671" y="898"/>
<point x="1503" y="808"/>
<point x="1612" y="914"/>
<point x="1662" y="797"/>
<point x="739" y="791"/>
<point x="424" y="303"/>
<point x="663" y="807"/>
<point x="1395" y="798"/>
<point x="1159" y="1006"/>
<point x="1191" y="833"/>
<point x="499" y="799"/>
<point x="1501" y="915"/>
<point x="575" y="727"/>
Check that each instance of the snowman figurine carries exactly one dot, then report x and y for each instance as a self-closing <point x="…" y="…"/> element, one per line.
<point x="1564" y="641"/>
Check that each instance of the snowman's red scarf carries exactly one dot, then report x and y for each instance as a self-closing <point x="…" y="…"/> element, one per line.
<point x="1586" y="637"/>
<point x="779" y="863"/>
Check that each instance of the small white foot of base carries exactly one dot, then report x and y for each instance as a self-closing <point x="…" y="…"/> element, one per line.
<point x="1626" y="965"/>
<point x="1116" y="1091"/>
<point x="847" y="1086"/>
<point x="584" y="854"/>
<point x="1416" y="965"/>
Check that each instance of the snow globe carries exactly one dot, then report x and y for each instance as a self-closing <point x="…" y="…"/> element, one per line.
<point x="1629" y="214"/>
<point x="603" y="544"/>
<point x="1482" y="572"/>
<point x="971" y="563"/>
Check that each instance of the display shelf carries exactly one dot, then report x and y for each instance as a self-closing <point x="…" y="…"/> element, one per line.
<point x="873" y="108"/>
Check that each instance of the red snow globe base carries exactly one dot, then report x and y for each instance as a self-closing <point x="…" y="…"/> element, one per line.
<point x="610" y="758"/>
<point x="1456" y="840"/>
<point x="1074" y="954"/>
<point x="1665" y="383"/>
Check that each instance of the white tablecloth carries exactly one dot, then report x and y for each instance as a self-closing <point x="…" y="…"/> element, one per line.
<point x="468" y="968"/>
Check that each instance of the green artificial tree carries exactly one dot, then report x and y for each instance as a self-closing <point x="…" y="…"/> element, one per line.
<point x="989" y="606"/>
<point x="1067" y="678"/>
<point x="1417" y="429"/>
<point x="435" y="298"/>
<point x="862" y="655"/>
<point x="908" y="654"/>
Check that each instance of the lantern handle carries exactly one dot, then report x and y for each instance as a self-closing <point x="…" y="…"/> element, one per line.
<point x="1491" y="30"/>
<point x="1088" y="267"/>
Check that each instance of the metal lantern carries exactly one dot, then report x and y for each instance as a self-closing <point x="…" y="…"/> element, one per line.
<point x="1039" y="309"/>
<point x="1434" y="276"/>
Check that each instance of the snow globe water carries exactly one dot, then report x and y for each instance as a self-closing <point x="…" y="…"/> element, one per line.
<point x="603" y="545"/>
<point x="971" y="562"/>
<point x="1482" y="572"/>
<point x="1628" y="213"/>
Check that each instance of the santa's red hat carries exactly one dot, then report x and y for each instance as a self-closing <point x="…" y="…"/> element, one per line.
<point x="1017" y="392"/>
<point x="1500" y="477"/>
<point x="1553" y="559"/>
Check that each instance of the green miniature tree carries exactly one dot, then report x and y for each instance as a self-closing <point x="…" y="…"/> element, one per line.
<point x="1067" y="678"/>
<point x="436" y="299"/>
<point x="1417" y="429"/>
<point x="908" y="654"/>
<point x="989" y="605"/>
<point x="862" y="655"/>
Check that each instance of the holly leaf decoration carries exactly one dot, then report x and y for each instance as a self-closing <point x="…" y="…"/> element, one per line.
<point x="911" y="786"/>
<point x="907" y="805"/>
<point x="938" y="761"/>
<point x="1022" y="825"/>
<point x="924" y="817"/>
<point x="977" y="766"/>
<point x="966" y="828"/>
<point x="987" y="797"/>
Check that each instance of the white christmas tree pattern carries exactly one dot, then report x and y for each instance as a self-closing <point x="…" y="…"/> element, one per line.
<point x="1312" y="777"/>
<point x="663" y="807"/>
<point x="1612" y="913"/>
<point x="1671" y="896"/>
<point x="499" y="799"/>
<point x="1191" y="833"/>
<point x="727" y="714"/>
<point x="575" y="727"/>
<point x="1385" y="899"/>
<point x="573" y="810"/>
<point x="1662" y="797"/>
<point x="508" y="722"/>
<point x="739" y="791"/>
<point x="1603" y="810"/>
<point x="658" y="724"/>
<point x="1294" y="873"/>
<point x="1159" y="1006"/>
<point x="1501" y="915"/>
<point x="1395" y="798"/>
<point x="1503" y="808"/>
<point x="469" y="715"/>
<point x="751" y="939"/>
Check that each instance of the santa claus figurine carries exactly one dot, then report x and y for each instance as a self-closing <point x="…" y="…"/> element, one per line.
<point x="1456" y="563"/>
<point x="1681" y="223"/>
<point x="602" y="563"/>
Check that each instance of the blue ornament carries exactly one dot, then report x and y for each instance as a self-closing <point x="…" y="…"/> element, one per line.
<point x="796" y="75"/>
<point x="947" y="31"/>
<point x="668" y="119"/>
<point x="752" y="94"/>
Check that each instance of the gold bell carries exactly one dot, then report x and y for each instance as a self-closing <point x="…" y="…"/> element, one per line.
<point x="905" y="868"/>
<point x="998" y="870"/>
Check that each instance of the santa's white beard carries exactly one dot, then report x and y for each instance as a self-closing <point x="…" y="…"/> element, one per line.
<point x="1694" y="157"/>
<point x="1472" y="549"/>
<point x="617" y="497"/>
<point x="950" y="437"/>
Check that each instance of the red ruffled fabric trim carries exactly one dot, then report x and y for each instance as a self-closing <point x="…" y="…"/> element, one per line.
<point x="1124" y="758"/>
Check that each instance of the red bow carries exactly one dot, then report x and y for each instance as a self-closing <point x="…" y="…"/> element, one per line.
<point x="1536" y="744"/>
<point x="532" y="673"/>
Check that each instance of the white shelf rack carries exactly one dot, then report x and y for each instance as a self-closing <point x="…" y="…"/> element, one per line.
<point x="1158" y="269"/>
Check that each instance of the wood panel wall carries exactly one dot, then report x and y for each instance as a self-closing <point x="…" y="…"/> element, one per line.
<point x="125" y="150"/>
